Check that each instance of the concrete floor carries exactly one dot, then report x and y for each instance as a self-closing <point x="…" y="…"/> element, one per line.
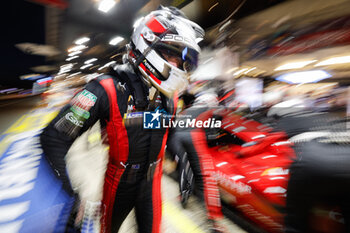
<point x="179" y="220"/>
<point x="12" y="110"/>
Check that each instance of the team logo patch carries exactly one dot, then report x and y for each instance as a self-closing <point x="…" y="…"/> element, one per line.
<point x="133" y="115"/>
<point x="70" y="116"/>
<point x="80" y="112"/>
<point x="131" y="108"/>
<point x="84" y="100"/>
<point x="151" y="120"/>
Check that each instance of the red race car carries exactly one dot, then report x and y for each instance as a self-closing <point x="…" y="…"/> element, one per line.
<point x="252" y="170"/>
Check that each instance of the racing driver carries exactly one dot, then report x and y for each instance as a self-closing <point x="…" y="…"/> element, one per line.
<point x="162" y="52"/>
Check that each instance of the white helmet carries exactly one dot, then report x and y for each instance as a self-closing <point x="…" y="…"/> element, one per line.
<point x="164" y="48"/>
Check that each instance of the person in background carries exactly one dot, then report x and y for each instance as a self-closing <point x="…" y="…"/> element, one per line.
<point x="194" y="162"/>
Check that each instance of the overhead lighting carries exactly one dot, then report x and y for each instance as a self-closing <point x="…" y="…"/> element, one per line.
<point x="74" y="53"/>
<point x="110" y="63"/>
<point x="65" y="68"/>
<point x="82" y="40"/>
<point x="90" y="60"/>
<point x="225" y="25"/>
<point x="251" y="69"/>
<point x="240" y="71"/>
<point x="77" y="48"/>
<point x="85" y="66"/>
<point x="106" y="65"/>
<point x="71" y="58"/>
<point x="106" y="5"/>
<point x="295" y="65"/>
<point x="116" y="40"/>
<point x="67" y="65"/>
<point x="334" y="60"/>
<point x="63" y="71"/>
<point x="231" y="70"/>
<point x="89" y="77"/>
<point x="69" y="76"/>
<point x="312" y="76"/>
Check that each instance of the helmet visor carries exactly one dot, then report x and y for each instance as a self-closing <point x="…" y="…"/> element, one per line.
<point x="182" y="57"/>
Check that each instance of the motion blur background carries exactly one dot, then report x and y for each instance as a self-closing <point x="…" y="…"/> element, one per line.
<point x="268" y="40"/>
<point x="276" y="55"/>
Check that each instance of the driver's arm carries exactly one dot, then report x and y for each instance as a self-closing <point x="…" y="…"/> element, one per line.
<point x="83" y="111"/>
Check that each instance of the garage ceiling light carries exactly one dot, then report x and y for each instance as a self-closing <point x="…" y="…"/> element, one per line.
<point x="251" y="69"/>
<point x="85" y="66"/>
<point x="71" y="58"/>
<point x="77" y="48"/>
<point x="231" y="70"/>
<point x="106" y="65"/>
<point x="334" y="60"/>
<point x="240" y="71"/>
<point x="312" y="76"/>
<point x="106" y="5"/>
<point x="295" y="65"/>
<point x="90" y="60"/>
<point x="82" y="40"/>
<point x="116" y="40"/>
<point x="74" y="53"/>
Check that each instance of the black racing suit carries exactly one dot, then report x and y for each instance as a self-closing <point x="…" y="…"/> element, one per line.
<point x="135" y="153"/>
<point x="178" y="137"/>
<point x="184" y="144"/>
